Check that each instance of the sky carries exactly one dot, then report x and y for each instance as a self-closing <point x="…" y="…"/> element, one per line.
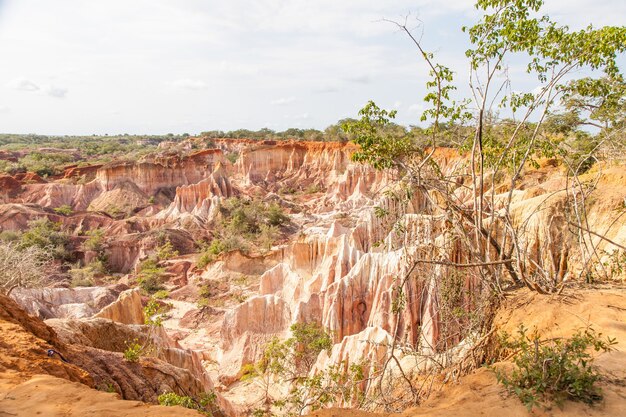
<point x="82" y="67"/>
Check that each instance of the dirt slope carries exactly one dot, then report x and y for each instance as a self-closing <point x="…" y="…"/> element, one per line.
<point x="33" y="384"/>
<point x="48" y="396"/>
<point x="478" y="394"/>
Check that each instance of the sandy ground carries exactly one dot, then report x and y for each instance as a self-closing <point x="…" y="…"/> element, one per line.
<point x="48" y="396"/>
<point x="478" y="394"/>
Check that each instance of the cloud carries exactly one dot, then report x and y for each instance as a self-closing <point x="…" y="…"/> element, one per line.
<point x="189" y="84"/>
<point x="327" y="90"/>
<point x="359" y="79"/>
<point x="23" y="84"/>
<point x="416" y="108"/>
<point x="57" y="92"/>
<point x="283" y="101"/>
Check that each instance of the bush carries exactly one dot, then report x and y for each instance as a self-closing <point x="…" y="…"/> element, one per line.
<point x="86" y="276"/>
<point x="205" y="259"/>
<point x="160" y="295"/>
<point x="47" y="236"/>
<point x="166" y="251"/>
<point x="206" y="404"/>
<point x="45" y="164"/>
<point x="554" y="370"/>
<point x="65" y="210"/>
<point x="291" y="360"/>
<point x="133" y="351"/>
<point x="232" y="157"/>
<point x="153" y="313"/>
<point x="171" y="399"/>
<point x="218" y="246"/>
<point x="150" y="276"/>
<point x="9" y="236"/>
<point x="276" y="216"/>
<point x="94" y="241"/>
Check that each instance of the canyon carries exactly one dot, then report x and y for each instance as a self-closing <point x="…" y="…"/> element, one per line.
<point x="336" y="262"/>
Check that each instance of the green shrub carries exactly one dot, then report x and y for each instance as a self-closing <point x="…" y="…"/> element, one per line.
<point x="232" y="157"/>
<point x="171" y="399"/>
<point x="203" y="302"/>
<point x="221" y="245"/>
<point x="206" y="404"/>
<point x="48" y="236"/>
<point x="107" y="387"/>
<point x="275" y="215"/>
<point x="94" y="241"/>
<point x="554" y="370"/>
<point x="153" y="313"/>
<point x="81" y="277"/>
<point x="133" y="351"/>
<point x="46" y="164"/>
<point x="160" y="295"/>
<point x="150" y="276"/>
<point x="166" y="251"/>
<point x="65" y="210"/>
<point x="291" y="360"/>
<point x="9" y="236"/>
<point x="205" y="259"/>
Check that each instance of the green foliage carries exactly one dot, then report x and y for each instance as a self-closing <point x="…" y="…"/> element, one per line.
<point x="153" y="312"/>
<point x="378" y="146"/>
<point x="170" y="399"/>
<point x="554" y="370"/>
<point x="295" y="355"/>
<point x="107" y="387"/>
<point x="95" y="149"/>
<point x="166" y="251"/>
<point x="275" y="216"/>
<point x="232" y="157"/>
<point x="65" y="210"/>
<point x="599" y="102"/>
<point x="9" y="236"/>
<point x="45" y="164"/>
<point x="85" y="276"/>
<point x="134" y="351"/>
<point x="205" y="259"/>
<point x="206" y="404"/>
<point x="615" y="263"/>
<point x="161" y="295"/>
<point x="150" y="276"/>
<point x="48" y="236"/>
<point x="291" y="360"/>
<point x="94" y="241"/>
<point x="267" y="236"/>
<point x="246" y="224"/>
<point x="221" y="245"/>
<point x="314" y="189"/>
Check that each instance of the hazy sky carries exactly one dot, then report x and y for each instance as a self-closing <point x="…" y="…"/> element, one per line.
<point x="160" y="66"/>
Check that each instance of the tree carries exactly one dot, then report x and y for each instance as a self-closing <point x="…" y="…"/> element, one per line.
<point x="481" y="243"/>
<point x="27" y="267"/>
<point x="290" y="361"/>
<point x="552" y="52"/>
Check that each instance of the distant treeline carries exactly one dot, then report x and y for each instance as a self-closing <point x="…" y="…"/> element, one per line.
<point x="48" y="155"/>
